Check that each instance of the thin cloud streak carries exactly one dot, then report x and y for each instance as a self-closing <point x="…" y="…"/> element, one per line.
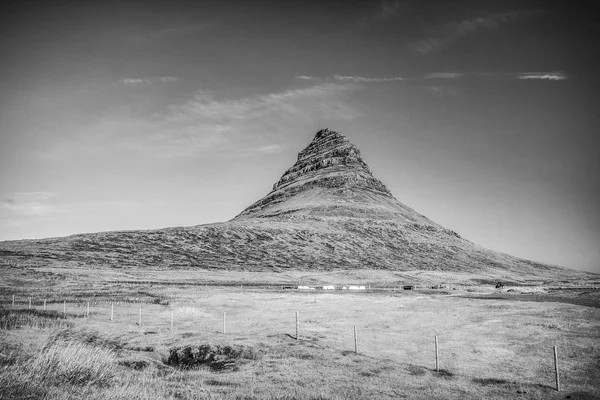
<point x="205" y="106"/>
<point x="551" y="76"/>
<point x="449" y="33"/>
<point x="28" y="204"/>
<point x="134" y="81"/>
<point x="364" y="79"/>
<point x="229" y="127"/>
<point x="168" y="79"/>
<point x="444" y="75"/>
<point x="139" y="81"/>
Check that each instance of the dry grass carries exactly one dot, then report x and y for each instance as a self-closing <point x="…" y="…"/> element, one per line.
<point x="13" y="319"/>
<point x="491" y="349"/>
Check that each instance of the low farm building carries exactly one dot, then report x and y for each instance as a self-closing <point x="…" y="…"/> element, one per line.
<point x="356" y="288"/>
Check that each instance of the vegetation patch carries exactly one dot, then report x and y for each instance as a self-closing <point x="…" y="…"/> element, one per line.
<point x="216" y="358"/>
<point x="14" y="319"/>
<point x="416" y="370"/>
<point x="489" y="381"/>
<point x="135" y="364"/>
<point x="444" y="373"/>
<point x="74" y="363"/>
<point x="90" y="338"/>
<point x="214" y="382"/>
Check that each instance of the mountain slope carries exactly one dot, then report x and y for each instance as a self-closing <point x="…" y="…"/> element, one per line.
<point x="327" y="212"/>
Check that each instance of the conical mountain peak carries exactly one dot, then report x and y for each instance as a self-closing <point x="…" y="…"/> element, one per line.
<point x="329" y="152"/>
<point x="329" y="177"/>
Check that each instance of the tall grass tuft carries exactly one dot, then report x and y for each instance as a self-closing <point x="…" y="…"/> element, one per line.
<point x="74" y="363"/>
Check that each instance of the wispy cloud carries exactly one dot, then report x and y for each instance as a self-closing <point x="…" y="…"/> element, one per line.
<point x="29" y="204"/>
<point x="449" y="33"/>
<point x="30" y="214"/>
<point x="365" y="79"/>
<point x="385" y="10"/>
<point x="443" y="75"/>
<point x="168" y="79"/>
<point x="305" y="77"/>
<point x="208" y="123"/>
<point x="140" y="81"/>
<point x="551" y="76"/>
<point x="319" y="99"/>
<point x="134" y="81"/>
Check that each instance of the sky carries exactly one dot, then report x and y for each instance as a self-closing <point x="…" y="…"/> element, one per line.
<point x="481" y="115"/>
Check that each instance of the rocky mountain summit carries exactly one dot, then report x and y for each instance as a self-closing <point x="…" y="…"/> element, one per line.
<point x="327" y="212"/>
<point x="331" y="179"/>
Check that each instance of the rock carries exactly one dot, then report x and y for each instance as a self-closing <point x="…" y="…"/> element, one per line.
<point x="332" y="177"/>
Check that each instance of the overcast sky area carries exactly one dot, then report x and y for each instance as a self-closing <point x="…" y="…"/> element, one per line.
<point x="481" y="115"/>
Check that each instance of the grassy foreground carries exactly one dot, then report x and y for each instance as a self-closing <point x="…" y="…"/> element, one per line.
<point x="491" y="349"/>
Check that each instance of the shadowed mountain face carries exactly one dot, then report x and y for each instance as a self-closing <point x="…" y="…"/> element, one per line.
<point x="327" y="212"/>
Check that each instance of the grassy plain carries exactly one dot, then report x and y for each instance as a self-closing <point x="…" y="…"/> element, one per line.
<point x="492" y="348"/>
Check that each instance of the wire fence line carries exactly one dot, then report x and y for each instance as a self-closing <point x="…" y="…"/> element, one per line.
<point x="146" y="318"/>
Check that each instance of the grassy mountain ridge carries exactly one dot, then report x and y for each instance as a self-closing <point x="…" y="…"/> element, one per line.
<point x="327" y="212"/>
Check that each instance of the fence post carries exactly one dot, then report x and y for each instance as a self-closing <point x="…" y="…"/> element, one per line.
<point x="87" y="314"/>
<point x="437" y="365"/>
<point x="355" y="341"/>
<point x="30" y="302"/>
<point x="297" y="325"/>
<point x="224" y="320"/>
<point x="112" y="311"/>
<point x="13" y="302"/>
<point x="44" y="304"/>
<point x="171" y="321"/>
<point x="556" y="369"/>
<point x="64" y="308"/>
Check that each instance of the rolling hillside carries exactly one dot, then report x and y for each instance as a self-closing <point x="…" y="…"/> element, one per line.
<point x="327" y="212"/>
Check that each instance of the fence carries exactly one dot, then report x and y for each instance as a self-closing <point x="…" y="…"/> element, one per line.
<point x="157" y="318"/>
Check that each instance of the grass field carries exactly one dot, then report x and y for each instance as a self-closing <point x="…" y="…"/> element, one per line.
<point x="488" y="348"/>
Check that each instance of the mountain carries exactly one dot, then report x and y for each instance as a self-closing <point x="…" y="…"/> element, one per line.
<point x="327" y="212"/>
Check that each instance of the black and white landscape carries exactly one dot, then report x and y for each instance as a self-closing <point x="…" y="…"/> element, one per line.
<point x="299" y="200"/>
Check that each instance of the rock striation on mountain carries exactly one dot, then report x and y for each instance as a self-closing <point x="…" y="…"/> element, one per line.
<point x="326" y="212"/>
<point x="330" y="180"/>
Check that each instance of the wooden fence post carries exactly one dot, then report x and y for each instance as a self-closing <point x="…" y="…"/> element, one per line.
<point x="112" y="311"/>
<point x="13" y="302"/>
<point x="44" y="304"/>
<point x="297" y="325"/>
<point x="64" y="308"/>
<point x="87" y="314"/>
<point x="30" y="302"/>
<point x="556" y="369"/>
<point x="437" y="365"/>
<point x="355" y="341"/>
